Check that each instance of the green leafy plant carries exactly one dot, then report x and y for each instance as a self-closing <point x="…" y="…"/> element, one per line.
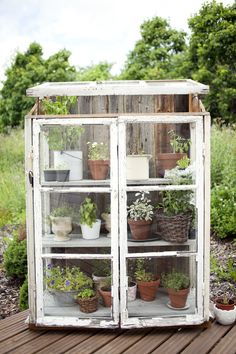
<point x="63" y="211"/>
<point x="86" y="293"/>
<point x="59" y="106"/>
<point x="15" y="258"/>
<point x="66" y="279"/>
<point x="141" y="274"/>
<point x="140" y="209"/>
<point x="183" y="163"/>
<point x="23" y="302"/>
<point x="63" y="138"/>
<point x="175" y="280"/>
<point x="178" y="144"/>
<point x="101" y="267"/>
<point x="88" y="212"/>
<point x="98" y="151"/>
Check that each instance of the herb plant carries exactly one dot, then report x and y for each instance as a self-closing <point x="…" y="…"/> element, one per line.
<point x="63" y="138"/>
<point x="88" y="212"/>
<point x="60" y="106"/>
<point x="63" y="211"/>
<point x="86" y="293"/>
<point x="141" y="274"/>
<point x="98" y="151"/>
<point x="178" y="144"/>
<point x="141" y="209"/>
<point x="175" y="280"/>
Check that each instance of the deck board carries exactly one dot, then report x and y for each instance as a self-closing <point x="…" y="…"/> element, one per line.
<point x="16" y="337"/>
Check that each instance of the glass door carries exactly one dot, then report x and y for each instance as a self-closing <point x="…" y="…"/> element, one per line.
<point x="161" y="220"/>
<point x="76" y="252"/>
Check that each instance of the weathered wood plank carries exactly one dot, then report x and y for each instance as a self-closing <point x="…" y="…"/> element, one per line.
<point x="207" y="339"/>
<point x="178" y="341"/>
<point x="95" y="343"/>
<point x="9" y="321"/>
<point x="13" y="330"/>
<point x="227" y="344"/>
<point x="19" y="340"/>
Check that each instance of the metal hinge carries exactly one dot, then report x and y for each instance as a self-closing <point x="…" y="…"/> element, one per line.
<point x="31" y="178"/>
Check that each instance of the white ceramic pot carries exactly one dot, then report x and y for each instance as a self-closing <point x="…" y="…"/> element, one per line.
<point x="91" y="233"/>
<point x="61" y="227"/>
<point x="73" y="160"/>
<point x="107" y="218"/>
<point x="132" y="290"/>
<point x="225" y="317"/>
<point x="137" y="166"/>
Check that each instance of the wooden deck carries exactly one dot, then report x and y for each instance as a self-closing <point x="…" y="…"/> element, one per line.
<point x="15" y="337"/>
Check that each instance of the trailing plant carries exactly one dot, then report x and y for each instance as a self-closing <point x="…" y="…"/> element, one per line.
<point x="88" y="212"/>
<point x="141" y="273"/>
<point x="140" y="209"/>
<point x="66" y="279"/>
<point x="178" y="143"/>
<point x="175" y="280"/>
<point x="63" y="138"/>
<point x="23" y="301"/>
<point x="15" y="258"/>
<point x="98" y="151"/>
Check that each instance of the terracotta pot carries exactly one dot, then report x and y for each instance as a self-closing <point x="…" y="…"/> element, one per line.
<point x="140" y="229"/>
<point x="167" y="161"/>
<point x="106" y="296"/>
<point x="178" y="298"/>
<point x="227" y="307"/>
<point x="148" y="289"/>
<point x="98" y="168"/>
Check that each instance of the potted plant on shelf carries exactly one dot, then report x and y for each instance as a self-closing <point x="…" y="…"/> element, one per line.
<point x="105" y="292"/>
<point x="167" y="161"/>
<point x="87" y="300"/>
<point x="225" y="309"/>
<point x="176" y="210"/>
<point x="101" y="271"/>
<point x="90" y="225"/>
<point x="98" y="160"/>
<point x="63" y="140"/>
<point x="61" y="222"/>
<point x="140" y="215"/>
<point x="107" y="218"/>
<point x="64" y="283"/>
<point x="137" y="164"/>
<point x="132" y="290"/>
<point x="147" y="282"/>
<point x="177" y="285"/>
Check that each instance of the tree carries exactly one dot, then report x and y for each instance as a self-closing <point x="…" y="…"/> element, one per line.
<point x="26" y="70"/>
<point x="97" y="72"/>
<point x="212" y="55"/>
<point x="152" y="54"/>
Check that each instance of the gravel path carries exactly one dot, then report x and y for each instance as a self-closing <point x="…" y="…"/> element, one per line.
<point x="222" y="251"/>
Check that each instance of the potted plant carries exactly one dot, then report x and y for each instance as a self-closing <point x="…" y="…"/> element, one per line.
<point x="61" y="221"/>
<point x="140" y="215"/>
<point x="132" y="290"/>
<point x="101" y="271"/>
<point x="147" y="282"/>
<point x="90" y="225"/>
<point x="225" y="309"/>
<point x="64" y="283"/>
<point x="137" y="164"/>
<point x="105" y="292"/>
<point x="167" y="161"/>
<point x="107" y="218"/>
<point x="87" y="300"/>
<point x="176" y="210"/>
<point x="177" y="285"/>
<point x="98" y="160"/>
<point x="63" y="141"/>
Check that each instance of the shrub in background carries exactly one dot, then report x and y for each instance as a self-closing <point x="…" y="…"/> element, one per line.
<point x="15" y="258"/>
<point x="23" y="304"/>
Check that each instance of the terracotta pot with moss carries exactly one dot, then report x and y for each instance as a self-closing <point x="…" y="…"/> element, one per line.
<point x="147" y="282"/>
<point x="177" y="285"/>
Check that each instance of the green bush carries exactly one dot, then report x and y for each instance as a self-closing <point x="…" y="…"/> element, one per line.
<point x="15" y="258"/>
<point x="223" y="180"/>
<point x="24" y="296"/>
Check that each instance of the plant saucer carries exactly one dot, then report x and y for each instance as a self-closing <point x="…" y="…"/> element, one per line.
<point x="178" y="308"/>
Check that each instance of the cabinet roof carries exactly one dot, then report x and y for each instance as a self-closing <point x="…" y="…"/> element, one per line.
<point x="104" y="88"/>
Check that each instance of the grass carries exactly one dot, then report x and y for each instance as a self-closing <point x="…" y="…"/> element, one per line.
<point x="12" y="180"/>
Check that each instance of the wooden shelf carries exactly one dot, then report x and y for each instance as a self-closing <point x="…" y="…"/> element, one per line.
<point x="76" y="241"/>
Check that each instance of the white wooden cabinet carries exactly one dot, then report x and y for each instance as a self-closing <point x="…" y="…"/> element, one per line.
<point x="116" y="192"/>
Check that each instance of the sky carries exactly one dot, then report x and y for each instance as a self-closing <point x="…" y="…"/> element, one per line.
<point x="92" y="30"/>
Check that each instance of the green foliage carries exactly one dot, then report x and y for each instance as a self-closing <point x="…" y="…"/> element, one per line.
<point x="152" y="54"/>
<point x="64" y="211"/>
<point x="15" y="258"/>
<point x="212" y="55"/>
<point x="88" y="212"/>
<point x="61" y="105"/>
<point x="223" y="179"/>
<point x="86" y="293"/>
<point x="224" y="273"/>
<point x="28" y="69"/>
<point x="97" y="151"/>
<point x="97" y="72"/>
<point x="140" y="209"/>
<point x="183" y="163"/>
<point x="141" y="273"/>
<point x="175" y="280"/>
<point x="23" y="303"/>
<point x="12" y="178"/>
<point x="101" y="267"/>
<point x="63" y="138"/>
<point x="178" y="144"/>
<point x="66" y="279"/>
